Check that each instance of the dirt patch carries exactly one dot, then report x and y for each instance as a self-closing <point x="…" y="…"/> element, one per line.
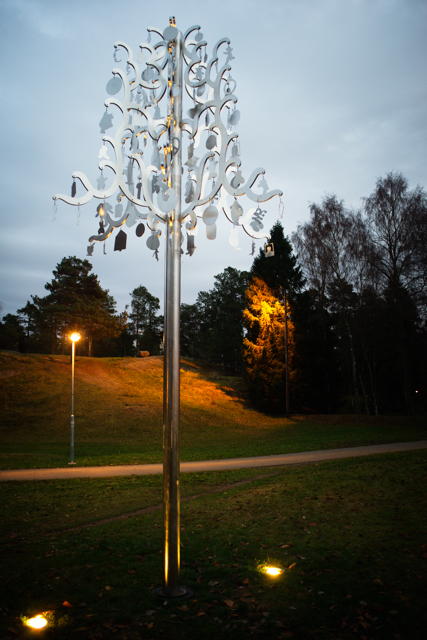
<point x="139" y="364"/>
<point x="96" y="372"/>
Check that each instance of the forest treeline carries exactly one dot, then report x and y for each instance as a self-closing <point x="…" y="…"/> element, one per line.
<point x="339" y="311"/>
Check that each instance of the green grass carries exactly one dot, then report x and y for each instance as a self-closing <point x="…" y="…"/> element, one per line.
<point x="354" y="532"/>
<point x="118" y="416"/>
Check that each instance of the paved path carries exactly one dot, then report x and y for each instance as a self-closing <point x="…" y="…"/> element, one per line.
<point x="209" y="465"/>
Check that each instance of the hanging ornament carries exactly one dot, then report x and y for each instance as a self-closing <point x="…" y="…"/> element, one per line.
<point x="262" y="184"/>
<point x="253" y="249"/>
<point x="105" y="252"/>
<point x="235" y="117"/>
<point x="115" y="55"/>
<point x="141" y="56"/>
<point x="153" y="241"/>
<point x="140" y="230"/>
<point x="234" y="238"/>
<point x="212" y="173"/>
<point x="210" y="215"/>
<point x="101" y="181"/>
<point x="106" y="122"/>
<point x="269" y="250"/>
<point x="191" y="247"/>
<point x="103" y="152"/>
<point x="101" y="229"/>
<point x="189" y="190"/>
<point x="138" y="190"/>
<point x="237" y="180"/>
<point x="132" y="214"/>
<point x="211" y="232"/>
<point x="73" y="189"/>
<point x="78" y="216"/>
<point x="211" y="141"/>
<point x="118" y="210"/>
<point x="257" y="217"/>
<point x="54" y="210"/>
<point x="281" y="208"/>
<point x="236" y="212"/>
<point x="120" y="241"/>
<point x="114" y="85"/>
<point x="90" y="250"/>
<point x="230" y="56"/>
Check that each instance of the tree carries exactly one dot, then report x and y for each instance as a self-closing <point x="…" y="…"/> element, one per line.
<point x="396" y="220"/>
<point x="147" y="326"/>
<point x="221" y="320"/>
<point x="282" y="272"/>
<point x="12" y="335"/>
<point x="265" y="347"/>
<point x="324" y="246"/>
<point x="283" y="276"/>
<point x="75" y="302"/>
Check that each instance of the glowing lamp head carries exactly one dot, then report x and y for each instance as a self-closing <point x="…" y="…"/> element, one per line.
<point x="38" y="622"/>
<point x="273" y="571"/>
<point x="75" y="337"/>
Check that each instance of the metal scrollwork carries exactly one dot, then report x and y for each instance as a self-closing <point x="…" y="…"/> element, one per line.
<point x="138" y="161"/>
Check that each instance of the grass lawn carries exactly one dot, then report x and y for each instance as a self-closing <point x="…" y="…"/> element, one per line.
<point x="350" y="535"/>
<point x="118" y="407"/>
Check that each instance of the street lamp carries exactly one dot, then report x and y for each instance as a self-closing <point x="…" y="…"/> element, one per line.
<point x="74" y="337"/>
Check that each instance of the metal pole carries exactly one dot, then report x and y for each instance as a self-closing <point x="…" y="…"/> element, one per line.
<point x="288" y="413"/>
<point x="171" y="384"/>
<point x="72" y="404"/>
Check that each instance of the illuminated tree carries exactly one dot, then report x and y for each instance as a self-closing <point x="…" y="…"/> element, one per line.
<point x="264" y="347"/>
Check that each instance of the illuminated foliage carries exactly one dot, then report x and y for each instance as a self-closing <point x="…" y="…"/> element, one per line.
<point x="264" y="347"/>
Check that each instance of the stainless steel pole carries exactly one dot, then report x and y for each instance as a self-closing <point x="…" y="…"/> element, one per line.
<point x="72" y="404"/>
<point x="171" y="402"/>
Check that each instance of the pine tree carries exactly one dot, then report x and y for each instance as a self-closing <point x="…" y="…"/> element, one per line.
<point x="265" y="345"/>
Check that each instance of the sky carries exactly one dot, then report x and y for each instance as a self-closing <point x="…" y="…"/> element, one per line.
<point x="332" y="96"/>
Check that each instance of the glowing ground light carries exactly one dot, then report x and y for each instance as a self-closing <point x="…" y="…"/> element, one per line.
<point x="38" y="622"/>
<point x="273" y="571"/>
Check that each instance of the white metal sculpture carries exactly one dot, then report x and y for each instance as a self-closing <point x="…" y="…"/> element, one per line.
<point x="146" y="185"/>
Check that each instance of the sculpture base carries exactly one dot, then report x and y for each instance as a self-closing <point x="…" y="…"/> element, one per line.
<point x="184" y="592"/>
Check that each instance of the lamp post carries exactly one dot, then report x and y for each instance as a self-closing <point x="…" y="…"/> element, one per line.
<point x="74" y="337"/>
<point x="147" y="170"/>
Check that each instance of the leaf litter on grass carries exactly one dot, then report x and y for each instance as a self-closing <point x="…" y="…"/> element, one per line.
<point x="363" y="561"/>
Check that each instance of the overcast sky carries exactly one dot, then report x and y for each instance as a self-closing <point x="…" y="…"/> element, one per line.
<point x="332" y="96"/>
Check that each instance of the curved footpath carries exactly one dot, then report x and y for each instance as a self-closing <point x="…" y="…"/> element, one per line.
<point x="285" y="459"/>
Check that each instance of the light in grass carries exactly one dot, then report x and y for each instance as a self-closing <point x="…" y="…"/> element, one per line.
<point x="270" y="570"/>
<point x="38" y="622"/>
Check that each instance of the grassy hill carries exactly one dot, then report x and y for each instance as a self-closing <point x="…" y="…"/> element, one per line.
<point x="118" y="415"/>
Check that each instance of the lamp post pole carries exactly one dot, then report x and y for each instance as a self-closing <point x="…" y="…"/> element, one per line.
<point x="75" y="337"/>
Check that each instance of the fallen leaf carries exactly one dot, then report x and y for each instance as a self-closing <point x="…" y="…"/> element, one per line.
<point x="201" y="613"/>
<point x="377" y="581"/>
<point x="294" y="564"/>
<point x="151" y="625"/>
<point x="229" y="603"/>
<point x="67" y="604"/>
<point x="108" y="588"/>
<point x="130" y="570"/>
